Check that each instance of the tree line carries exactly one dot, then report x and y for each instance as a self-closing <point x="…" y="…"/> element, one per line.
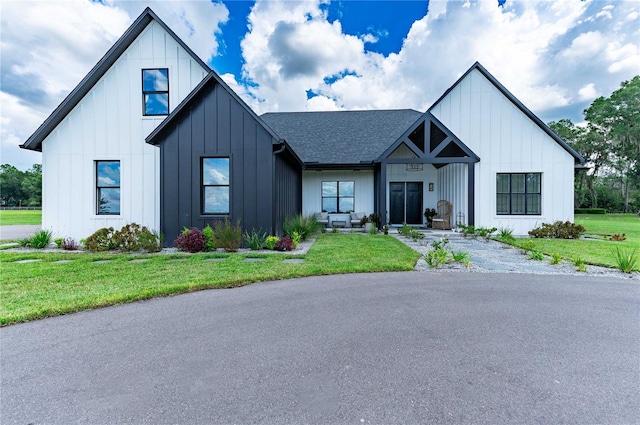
<point x="610" y="142"/>
<point x="20" y="188"/>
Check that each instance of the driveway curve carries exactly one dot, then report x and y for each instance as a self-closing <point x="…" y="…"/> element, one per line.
<point x="371" y="348"/>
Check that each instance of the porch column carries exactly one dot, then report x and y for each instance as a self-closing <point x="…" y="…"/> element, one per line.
<point x="471" y="192"/>
<point x="382" y="192"/>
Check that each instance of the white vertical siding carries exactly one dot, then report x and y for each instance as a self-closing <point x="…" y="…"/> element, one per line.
<point x="312" y="189"/>
<point x="506" y="141"/>
<point x="108" y="124"/>
<point x="453" y="179"/>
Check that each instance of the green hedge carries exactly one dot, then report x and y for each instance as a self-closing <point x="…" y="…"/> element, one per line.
<point x="589" y="211"/>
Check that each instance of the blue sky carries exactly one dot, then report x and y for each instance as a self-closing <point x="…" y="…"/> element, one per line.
<point x="556" y="56"/>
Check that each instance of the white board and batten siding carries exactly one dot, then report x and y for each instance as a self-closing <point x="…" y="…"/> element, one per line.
<point x="108" y="124"/>
<point x="507" y="141"/>
<point x="312" y="189"/>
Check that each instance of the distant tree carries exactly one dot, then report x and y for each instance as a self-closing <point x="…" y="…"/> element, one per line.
<point x="20" y="188"/>
<point x="617" y="120"/>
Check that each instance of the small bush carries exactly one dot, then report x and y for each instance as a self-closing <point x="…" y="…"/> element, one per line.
<point x="284" y="244"/>
<point x="589" y="211"/>
<point x="41" y="239"/>
<point x="536" y="255"/>
<point x="102" y="240"/>
<point x="580" y="264"/>
<point x="373" y="230"/>
<point x="436" y="257"/>
<point x="304" y="226"/>
<point x="24" y="242"/>
<point x="555" y="258"/>
<point x="485" y="232"/>
<point x="58" y="242"/>
<point x="335" y="230"/>
<point x="255" y="240"/>
<point x="558" y="230"/>
<point x="133" y="237"/>
<point x="405" y="230"/>
<point x="209" y="243"/>
<point x="460" y="256"/>
<point x="443" y="243"/>
<point x="296" y="238"/>
<point x="190" y="240"/>
<point x="527" y="246"/>
<point x="227" y="235"/>
<point x="271" y="242"/>
<point x="626" y="260"/>
<point x="618" y="237"/>
<point x="505" y="234"/>
<point x="70" y="244"/>
<point x="415" y="235"/>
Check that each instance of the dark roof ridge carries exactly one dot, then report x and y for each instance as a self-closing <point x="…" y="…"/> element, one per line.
<point x="342" y="111"/>
<point x="34" y="142"/>
<point x="544" y="127"/>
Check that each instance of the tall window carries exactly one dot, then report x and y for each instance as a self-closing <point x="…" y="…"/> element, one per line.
<point x="519" y="193"/>
<point x="337" y="197"/>
<point x="215" y="185"/>
<point x="155" y="91"/>
<point x="108" y="187"/>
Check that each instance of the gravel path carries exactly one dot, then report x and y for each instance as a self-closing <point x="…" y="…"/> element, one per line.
<point x="488" y="256"/>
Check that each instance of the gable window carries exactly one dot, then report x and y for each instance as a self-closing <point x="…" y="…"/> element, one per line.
<point x="518" y="193"/>
<point x="215" y="185"/>
<point x="337" y="197"/>
<point x="155" y="91"/>
<point x="107" y="187"/>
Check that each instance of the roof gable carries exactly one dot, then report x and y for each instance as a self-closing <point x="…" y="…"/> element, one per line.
<point x="34" y="142"/>
<point x="545" y="128"/>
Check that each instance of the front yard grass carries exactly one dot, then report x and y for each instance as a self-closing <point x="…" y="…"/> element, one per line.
<point x="17" y="217"/>
<point x="596" y="249"/>
<point x="45" y="288"/>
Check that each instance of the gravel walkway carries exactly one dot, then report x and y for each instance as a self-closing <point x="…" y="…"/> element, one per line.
<point x="488" y="256"/>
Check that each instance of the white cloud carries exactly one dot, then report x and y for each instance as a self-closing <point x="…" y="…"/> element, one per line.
<point x="588" y="92"/>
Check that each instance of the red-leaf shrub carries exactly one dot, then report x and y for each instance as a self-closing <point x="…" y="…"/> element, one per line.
<point x="191" y="240"/>
<point x="284" y="244"/>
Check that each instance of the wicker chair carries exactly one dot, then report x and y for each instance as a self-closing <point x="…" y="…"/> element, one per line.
<point x="442" y="220"/>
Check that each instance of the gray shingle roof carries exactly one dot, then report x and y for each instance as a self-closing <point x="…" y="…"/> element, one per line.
<point x="341" y="137"/>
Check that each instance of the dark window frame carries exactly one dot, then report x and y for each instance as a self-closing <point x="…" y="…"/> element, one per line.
<point x="100" y="187"/>
<point x="203" y="187"/>
<point x="338" y="197"/>
<point x="510" y="193"/>
<point x="145" y="93"/>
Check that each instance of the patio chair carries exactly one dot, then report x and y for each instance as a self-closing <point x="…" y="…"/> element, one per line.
<point x="442" y="220"/>
<point x="322" y="218"/>
<point x="355" y="219"/>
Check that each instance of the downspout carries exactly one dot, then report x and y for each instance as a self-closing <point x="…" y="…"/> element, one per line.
<point x="282" y="148"/>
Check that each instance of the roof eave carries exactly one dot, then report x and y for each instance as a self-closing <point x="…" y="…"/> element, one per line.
<point x="34" y="142"/>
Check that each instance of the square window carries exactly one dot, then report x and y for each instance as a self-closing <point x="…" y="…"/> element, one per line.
<point x="338" y="197"/>
<point x="519" y="193"/>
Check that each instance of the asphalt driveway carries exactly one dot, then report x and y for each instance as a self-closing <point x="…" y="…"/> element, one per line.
<point x="373" y="348"/>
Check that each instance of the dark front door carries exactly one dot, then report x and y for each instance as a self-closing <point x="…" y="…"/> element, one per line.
<point x="405" y="202"/>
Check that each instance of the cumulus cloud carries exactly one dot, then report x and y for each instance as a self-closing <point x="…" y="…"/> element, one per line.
<point x="49" y="46"/>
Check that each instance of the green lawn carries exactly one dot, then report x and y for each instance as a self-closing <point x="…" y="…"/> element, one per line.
<point x="46" y="288"/>
<point x="13" y="217"/>
<point x="598" y="250"/>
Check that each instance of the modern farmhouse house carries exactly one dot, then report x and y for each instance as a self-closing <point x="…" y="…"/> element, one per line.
<point x="152" y="135"/>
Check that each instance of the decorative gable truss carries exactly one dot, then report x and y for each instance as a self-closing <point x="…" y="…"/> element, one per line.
<point x="428" y="141"/>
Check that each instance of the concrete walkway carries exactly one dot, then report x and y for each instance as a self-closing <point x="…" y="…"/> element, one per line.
<point x="9" y="233"/>
<point x="489" y="256"/>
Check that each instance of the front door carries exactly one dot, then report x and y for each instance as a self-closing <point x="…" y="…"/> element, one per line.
<point x="405" y="202"/>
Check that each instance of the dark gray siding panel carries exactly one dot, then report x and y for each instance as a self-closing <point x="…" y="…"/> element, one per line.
<point x="215" y="124"/>
<point x="288" y="189"/>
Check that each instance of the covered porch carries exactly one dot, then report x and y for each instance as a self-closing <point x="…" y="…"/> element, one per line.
<point x="425" y="165"/>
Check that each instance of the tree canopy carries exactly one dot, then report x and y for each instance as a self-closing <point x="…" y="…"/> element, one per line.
<point x="20" y="188"/>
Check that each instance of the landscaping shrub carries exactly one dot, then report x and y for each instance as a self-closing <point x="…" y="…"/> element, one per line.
<point x="102" y="240"/>
<point x="271" y="242"/>
<point x="134" y="237"/>
<point x="284" y="244"/>
<point x="58" y="242"/>
<point x="536" y="255"/>
<point x="226" y="235"/>
<point x="190" y="240"/>
<point x="296" y="239"/>
<point x="209" y="242"/>
<point x="555" y="258"/>
<point x="558" y="230"/>
<point x="255" y="240"/>
<point x="304" y="226"/>
<point x="70" y="244"/>
<point x="405" y="230"/>
<point x="625" y="260"/>
<point x="40" y="240"/>
<point x="589" y="211"/>
<point x="618" y="237"/>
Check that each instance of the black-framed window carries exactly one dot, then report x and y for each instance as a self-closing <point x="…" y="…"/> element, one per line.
<point x="155" y="91"/>
<point x="215" y="185"/>
<point x="107" y="187"/>
<point x="338" y="197"/>
<point x="519" y="193"/>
